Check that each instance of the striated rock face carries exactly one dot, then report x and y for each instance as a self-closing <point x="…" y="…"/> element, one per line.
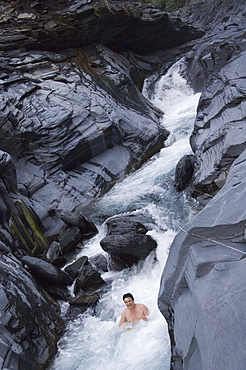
<point x="219" y="134"/>
<point x="72" y="122"/>
<point x="72" y="118"/>
<point x="30" y="321"/>
<point x="71" y="24"/>
<point x="66" y="127"/>
<point x="203" y="284"/>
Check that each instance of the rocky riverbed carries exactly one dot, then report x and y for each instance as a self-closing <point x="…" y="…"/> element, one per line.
<point x="73" y="121"/>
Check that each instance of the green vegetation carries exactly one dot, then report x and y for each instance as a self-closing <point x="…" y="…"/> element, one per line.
<point x="24" y="225"/>
<point x="105" y="7"/>
<point x="170" y="5"/>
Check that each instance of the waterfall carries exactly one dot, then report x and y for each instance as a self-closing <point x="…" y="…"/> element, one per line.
<point x="93" y="340"/>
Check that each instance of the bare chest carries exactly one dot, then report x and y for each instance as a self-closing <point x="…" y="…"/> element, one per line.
<point x="134" y="316"/>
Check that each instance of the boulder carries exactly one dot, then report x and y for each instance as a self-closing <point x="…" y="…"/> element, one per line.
<point x="184" y="172"/>
<point x="126" y="225"/>
<point x="87" y="228"/>
<point x="82" y="302"/>
<point x="126" y="240"/>
<point x="74" y="268"/>
<point x="100" y="262"/>
<point x="87" y="298"/>
<point x="128" y="248"/>
<point x="69" y="239"/>
<point x="87" y="278"/>
<point x="46" y="273"/>
<point x="4" y="249"/>
<point x="54" y="255"/>
<point x="30" y="321"/>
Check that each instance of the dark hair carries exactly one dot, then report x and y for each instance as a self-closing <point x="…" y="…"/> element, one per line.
<point x="128" y="295"/>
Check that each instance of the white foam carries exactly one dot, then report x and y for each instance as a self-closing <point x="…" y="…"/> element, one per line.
<point x="94" y="341"/>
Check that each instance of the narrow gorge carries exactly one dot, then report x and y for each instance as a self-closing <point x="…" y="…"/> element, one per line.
<point x="77" y="116"/>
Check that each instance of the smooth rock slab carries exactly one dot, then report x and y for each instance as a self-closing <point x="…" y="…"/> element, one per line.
<point x="203" y="284"/>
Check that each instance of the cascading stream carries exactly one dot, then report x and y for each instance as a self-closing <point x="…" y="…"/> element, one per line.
<point x="93" y="341"/>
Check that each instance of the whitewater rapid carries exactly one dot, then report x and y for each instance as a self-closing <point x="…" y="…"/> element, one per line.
<point x="93" y="341"/>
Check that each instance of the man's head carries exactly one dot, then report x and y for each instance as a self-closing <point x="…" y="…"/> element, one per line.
<point x="129" y="300"/>
<point x="128" y="295"/>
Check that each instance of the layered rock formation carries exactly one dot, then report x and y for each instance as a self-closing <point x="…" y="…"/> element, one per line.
<point x="72" y="122"/>
<point x="203" y="284"/>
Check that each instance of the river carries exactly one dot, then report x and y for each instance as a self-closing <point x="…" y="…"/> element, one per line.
<point x="93" y="340"/>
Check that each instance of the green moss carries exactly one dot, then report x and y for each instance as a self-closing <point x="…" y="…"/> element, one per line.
<point x="170" y="5"/>
<point x="24" y="226"/>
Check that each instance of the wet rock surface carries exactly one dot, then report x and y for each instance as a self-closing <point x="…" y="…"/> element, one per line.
<point x="126" y="241"/>
<point x="202" y="297"/>
<point x="30" y="320"/>
<point x="73" y="121"/>
<point x="203" y="282"/>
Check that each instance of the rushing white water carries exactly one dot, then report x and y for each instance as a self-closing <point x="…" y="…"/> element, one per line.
<point x="93" y="341"/>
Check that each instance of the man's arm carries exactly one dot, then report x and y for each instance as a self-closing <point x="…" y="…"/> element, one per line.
<point x="145" y="313"/>
<point x="123" y="318"/>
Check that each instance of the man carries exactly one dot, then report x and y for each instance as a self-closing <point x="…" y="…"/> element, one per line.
<point x="133" y="312"/>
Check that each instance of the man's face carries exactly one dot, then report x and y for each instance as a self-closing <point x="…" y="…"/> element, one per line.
<point x="129" y="302"/>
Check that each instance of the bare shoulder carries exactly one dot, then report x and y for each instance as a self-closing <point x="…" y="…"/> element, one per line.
<point x="142" y="307"/>
<point x="124" y="312"/>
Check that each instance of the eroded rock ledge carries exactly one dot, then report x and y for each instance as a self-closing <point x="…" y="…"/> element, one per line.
<point x="203" y="282"/>
<point x="72" y="122"/>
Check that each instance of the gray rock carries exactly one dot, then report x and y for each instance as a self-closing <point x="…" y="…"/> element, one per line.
<point x="108" y="23"/>
<point x="54" y="255"/>
<point x="74" y="268"/>
<point x="69" y="239"/>
<point x="100" y="262"/>
<point x="122" y="225"/>
<point x="184" y="172"/>
<point x="7" y="171"/>
<point x="83" y="137"/>
<point x="128" y="248"/>
<point x="219" y="134"/>
<point x="30" y="321"/>
<point x="86" y="226"/>
<point x="4" y="249"/>
<point x="203" y="284"/>
<point x="87" y="298"/>
<point x="87" y="278"/>
<point x="74" y="121"/>
<point x="126" y="241"/>
<point x="45" y="272"/>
